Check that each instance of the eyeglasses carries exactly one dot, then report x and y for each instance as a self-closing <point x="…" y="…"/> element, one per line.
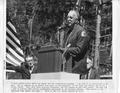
<point x="70" y="17"/>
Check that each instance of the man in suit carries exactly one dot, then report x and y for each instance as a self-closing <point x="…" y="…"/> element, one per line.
<point x="24" y="69"/>
<point x="78" y="39"/>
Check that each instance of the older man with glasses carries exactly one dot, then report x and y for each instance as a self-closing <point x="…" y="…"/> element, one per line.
<point x="77" y="40"/>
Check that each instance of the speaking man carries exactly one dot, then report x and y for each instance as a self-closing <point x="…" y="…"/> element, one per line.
<point x="78" y="39"/>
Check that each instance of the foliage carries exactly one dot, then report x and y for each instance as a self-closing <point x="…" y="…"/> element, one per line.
<point x="47" y="15"/>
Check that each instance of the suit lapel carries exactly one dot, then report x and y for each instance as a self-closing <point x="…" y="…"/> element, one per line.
<point x="71" y="34"/>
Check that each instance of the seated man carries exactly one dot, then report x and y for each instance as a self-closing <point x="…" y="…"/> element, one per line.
<point x="24" y="69"/>
<point x="89" y="73"/>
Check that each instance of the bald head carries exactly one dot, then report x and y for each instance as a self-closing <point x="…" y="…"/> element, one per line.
<point x="72" y="17"/>
<point x="74" y="14"/>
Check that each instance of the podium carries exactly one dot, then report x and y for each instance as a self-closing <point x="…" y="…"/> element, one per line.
<point x="50" y="65"/>
<point x="50" y="60"/>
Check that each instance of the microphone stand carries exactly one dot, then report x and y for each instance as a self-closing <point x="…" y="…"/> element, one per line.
<point x="64" y="60"/>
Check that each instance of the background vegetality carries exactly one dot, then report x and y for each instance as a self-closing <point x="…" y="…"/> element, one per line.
<point x="36" y="22"/>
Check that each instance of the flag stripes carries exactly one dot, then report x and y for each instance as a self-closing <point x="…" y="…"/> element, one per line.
<point x="12" y="27"/>
<point x="13" y="35"/>
<point x="8" y="35"/>
<point x="14" y="48"/>
<point x="10" y="60"/>
<point x="14" y="53"/>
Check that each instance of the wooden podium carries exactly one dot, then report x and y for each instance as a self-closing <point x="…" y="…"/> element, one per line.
<point x="50" y="60"/>
<point x="50" y="65"/>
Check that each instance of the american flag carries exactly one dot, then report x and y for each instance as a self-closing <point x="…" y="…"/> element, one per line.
<point x="14" y="53"/>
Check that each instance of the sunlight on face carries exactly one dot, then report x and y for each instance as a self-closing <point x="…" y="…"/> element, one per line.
<point x="72" y="17"/>
<point x="30" y="60"/>
<point x="89" y="63"/>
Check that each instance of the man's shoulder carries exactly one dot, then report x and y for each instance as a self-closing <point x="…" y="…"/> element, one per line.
<point x="79" y="27"/>
<point x="81" y="31"/>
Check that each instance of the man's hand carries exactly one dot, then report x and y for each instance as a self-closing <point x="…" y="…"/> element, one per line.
<point x="62" y="49"/>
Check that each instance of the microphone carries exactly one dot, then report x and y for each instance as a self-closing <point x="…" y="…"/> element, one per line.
<point x="64" y="60"/>
<point x="66" y="48"/>
<point x="64" y="25"/>
<point x="68" y="45"/>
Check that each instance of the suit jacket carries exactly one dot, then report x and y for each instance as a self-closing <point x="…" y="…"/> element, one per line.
<point x="93" y="74"/>
<point x="79" y="40"/>
<point x="23" y="70"/>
